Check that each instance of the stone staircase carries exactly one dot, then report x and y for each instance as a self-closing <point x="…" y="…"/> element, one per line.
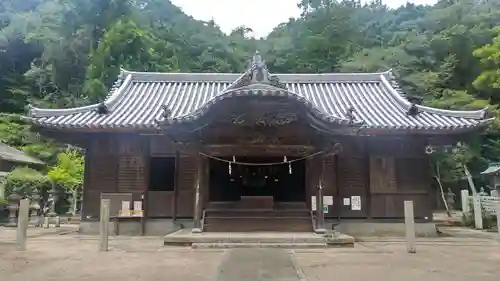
<point x="252" y="220"/>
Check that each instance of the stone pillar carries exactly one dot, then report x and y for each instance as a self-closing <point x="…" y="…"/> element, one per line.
<point x="22" y="224"/>
<point x="478" y="213"/>
<point x="13" y="201"/>
<point x="409" y="227"/>
<point x="104" y="224"/>
<point x="465" y="203"/>
<point x="74" y="201"/>
<point x="198" y="195"/>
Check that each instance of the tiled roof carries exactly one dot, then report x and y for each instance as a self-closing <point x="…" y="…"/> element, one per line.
<point x="10" y="154"/>
<point x="492" y="169"/>
<point x="142" y="99"/>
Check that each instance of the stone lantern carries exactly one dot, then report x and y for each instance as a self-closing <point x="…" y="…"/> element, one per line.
<point x="74" y="201"/>
<point x="53" y="197"/>
<point x="13" y="205"/>
<point x="35" y="208"/>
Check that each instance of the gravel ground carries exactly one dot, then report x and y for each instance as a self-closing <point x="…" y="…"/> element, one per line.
<point x="72" y="257"/>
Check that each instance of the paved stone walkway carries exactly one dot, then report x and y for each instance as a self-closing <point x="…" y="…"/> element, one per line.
<point x="257" y="265"/>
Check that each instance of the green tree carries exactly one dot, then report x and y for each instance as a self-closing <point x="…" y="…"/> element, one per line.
<point x="67" y="174"/>
<point x="126" y="45"/>
<point x="489" y="56"/>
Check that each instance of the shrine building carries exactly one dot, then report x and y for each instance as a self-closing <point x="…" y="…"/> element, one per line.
<point x="258" y="151"/>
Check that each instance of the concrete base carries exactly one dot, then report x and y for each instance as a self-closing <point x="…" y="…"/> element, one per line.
<point x="337" y="239"/>
<point x="382" y="229"/>
<point x="154" y="227"/>
<point x="185" y="237"/>
<point x="196" y="230"/>
<point x="363" y="228"/>
<point x="258" y="245"/>
<point x="320" y="231"/>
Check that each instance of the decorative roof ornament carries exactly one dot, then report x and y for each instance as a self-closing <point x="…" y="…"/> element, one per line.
<point x="257" y="73"/>
<point x="350" y="115"/>
<point x="413" y="110"/>
<point x="102" y="108"/>
<point x="165" y="111"/>
<point x="119" y="81"/>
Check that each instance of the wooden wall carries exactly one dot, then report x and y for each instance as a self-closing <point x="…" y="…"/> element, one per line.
<point x="120" y="164"/>
<point x="382" y="171"/>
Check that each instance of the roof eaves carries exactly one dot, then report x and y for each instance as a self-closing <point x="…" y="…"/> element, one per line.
<point x="113" y="98"/>
<point x="386" y="79"/>
<point x="11" y="154"/>
<point x="492" y="169"/>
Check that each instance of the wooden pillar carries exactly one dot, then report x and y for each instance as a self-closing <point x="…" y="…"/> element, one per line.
<point x="176" y="184"/>
<point x="198" y="208"/>
<point x="320" y="215"/>
<point x="145" y="194"/>
<point x="367" y="176"/>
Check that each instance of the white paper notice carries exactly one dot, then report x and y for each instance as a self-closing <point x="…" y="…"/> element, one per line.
<point x="328" y="200"/>
<point x="125" y="211"/>
<point x="137" y="205"/>
<point x="356" y="203"/>
<point x="138" y="208"/>
<point x="313" y="203"/>
<point x="347" y="201"/>
<point x="125" y="205"/>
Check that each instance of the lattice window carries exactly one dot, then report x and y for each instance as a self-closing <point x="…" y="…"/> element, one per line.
<point x="131" y="173"/>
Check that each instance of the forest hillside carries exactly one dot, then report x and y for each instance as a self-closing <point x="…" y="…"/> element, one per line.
<point x="65" y="53"/>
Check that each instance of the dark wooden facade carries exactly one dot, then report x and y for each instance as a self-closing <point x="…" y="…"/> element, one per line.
<point x="384" y="171"/>
<point x="357" y="133"/>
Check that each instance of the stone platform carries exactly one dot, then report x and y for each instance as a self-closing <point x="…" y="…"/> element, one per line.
<point x="184" y="237"/>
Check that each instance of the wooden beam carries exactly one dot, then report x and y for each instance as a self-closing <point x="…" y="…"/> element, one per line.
<point x="247" y="150"/>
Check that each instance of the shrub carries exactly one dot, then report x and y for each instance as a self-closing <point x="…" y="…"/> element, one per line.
<point x="25" y="182"/>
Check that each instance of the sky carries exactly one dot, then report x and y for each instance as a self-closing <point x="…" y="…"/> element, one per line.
<point x="260" y="15"/>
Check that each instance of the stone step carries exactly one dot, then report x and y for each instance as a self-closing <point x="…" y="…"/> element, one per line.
<point x="247" y="224"/>
<point x="257" y="213"/>
<point x="246" y="238"/>
<point x="258" y="245"/>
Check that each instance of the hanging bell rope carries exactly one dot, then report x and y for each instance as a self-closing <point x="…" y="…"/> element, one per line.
<point x="289" y="162"/>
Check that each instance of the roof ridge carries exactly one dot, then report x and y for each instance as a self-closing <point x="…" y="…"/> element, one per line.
<point x="389" y="80"/>
<point x="232" y="77"/>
